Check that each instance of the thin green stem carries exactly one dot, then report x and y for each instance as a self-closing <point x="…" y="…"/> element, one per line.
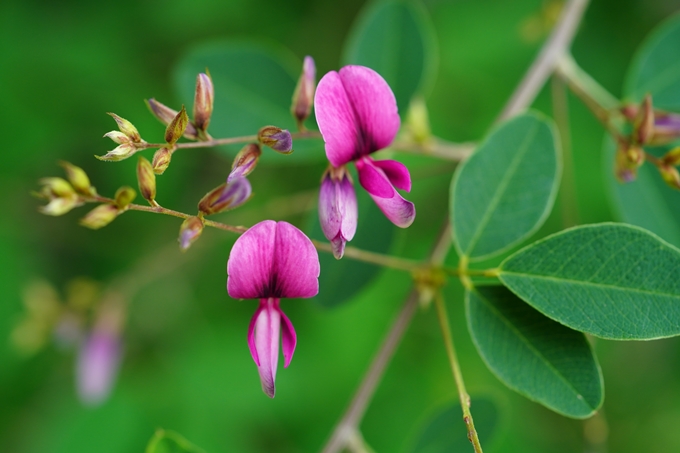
<point x="457" y="375"/>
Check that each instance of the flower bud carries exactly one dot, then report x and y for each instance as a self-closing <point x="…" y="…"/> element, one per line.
<point x="644" y="122"/>
<point x="417" y="120"/>
<point x="338" y="210"/>
<point x="124" y="196"/>
<point x="100" y="216"/>
<point x="189" y="232"/>
<point x="176" y="127"/>
<point x="203" y="101"/>
<point x="119" y="153"/>
<point x="666" y="128"/>
<point x="245" y="161"/>
<point x="276" y="138"/>
<point x="628" y="159"/>
<point x="127" y="128"/>
<point x="165" y="115"/>
<point x="62" y="198"/>
<point x="670" y="175"/>
<point x="303" y="97"/>
<point x="56" y="188"/>
<point x="672" y="157"/>
<point x="78" y="178"/>
<point x="118" y="137"/>
<point x="146" y="180"/>
<point x="225" y="197"/>
<point x="161" y="160"/>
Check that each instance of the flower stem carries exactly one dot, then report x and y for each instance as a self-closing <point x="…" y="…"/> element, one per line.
<point x="457" y="375"/>
<point x="372" y="257"/>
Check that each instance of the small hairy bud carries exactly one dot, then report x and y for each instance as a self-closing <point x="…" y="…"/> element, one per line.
<point x="100" y="216"/>
<point x="124" y="196"/>
<point x="245" y="161"/>
<point x="146" y="180"/>
<point x="161" y="160"/>
<point x="165" y="115"/>
<point x="644" y="123"/>
<point x="303" y="97"/>
<point x="189" y="232"/>
<point x="78" y="178"/>
<point x="127" y="128"/>
<point x="276" y="138"/>
<point x="203" y="101"/>
<point x="119" y="153"/>
<point x="176" y="127"/>
<point x="417" y="120"/>
<point x="670" y="175"/>
<point x="672" y="157"/>
<point x="225" y="197"/>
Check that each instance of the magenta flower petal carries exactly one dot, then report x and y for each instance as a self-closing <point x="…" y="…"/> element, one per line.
<point x="338" y="210"/>
<point x="396" y="172"/>
<point x="337" y="120"/>
<point x="374" y="104"/>
<point x="251" y="335"/>
<point x="399" y="211"/>
<point x="273" y="260"/>
<point x="288" y="338"/>
<point x="97" y="366"/>
<point x="374" y="179"/>
<point x="267" y="330"/>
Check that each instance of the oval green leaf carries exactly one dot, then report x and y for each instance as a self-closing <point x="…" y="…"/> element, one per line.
<point x="341" y="279"/>
<point x="656" y="67"/>
<point x="533" y="355"/>
<point x="611" y="280"/>
<point x="396" y="39"/>
<point x="444" y="431"/>
<point x="253" y="88"/>
<point x="506" y="189"/>
<point x="647" y="202"/>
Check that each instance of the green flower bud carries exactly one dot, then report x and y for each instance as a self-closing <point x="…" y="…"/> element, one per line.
<point x="78" y="179"/>
<point x="100" y="216"/>
<point x="146" y="180"/>
<point x="176" y="127"/>
<point x="124" y="196"/>
<point x="127" y="128"/>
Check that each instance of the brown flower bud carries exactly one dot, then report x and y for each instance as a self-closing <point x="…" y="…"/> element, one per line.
<point x="100" y="216"/>
<point x="78" y="178"/>
<point x="276" y="138"/>
<point x="670" y="175"/>
<point x="127" y="128"/>
<point x="303" y="97"/>
<point x="672" y="157"/>
<point x="176" y="127"/>
<point x="146" y="180"/>
<point x="203" y="101"/>
<point x="245" y="161"/>
<point x="644" y="122"/>
<point x="165" y="115"/>
<point x="124" y="196"/>
<point x="161" y="160"/>
<point x="227" y="196"/>
<point x="189" y="232"/>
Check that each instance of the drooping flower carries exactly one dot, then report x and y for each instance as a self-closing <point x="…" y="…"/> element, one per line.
<point x="357" y="115"/>
<point x="338" y="208"/>
<point x="270" y="261"/>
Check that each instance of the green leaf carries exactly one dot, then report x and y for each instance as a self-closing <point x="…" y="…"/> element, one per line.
<point x="170" y="442"/>
<point x="611" y="280"/>
<point x="253" y="88"/>
<point x="647" y="202"/>
<point x="396" y="39"/>
<point x="533" y="355"/>
<point x="505" y="190"/>
<point x="445" y="432"/>
<point x="656" y="67"/>
<point x="342" y="279"/>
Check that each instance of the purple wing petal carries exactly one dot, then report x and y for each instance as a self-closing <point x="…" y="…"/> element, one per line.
<point x="251" y="333"/>
<point x="396" y="172"/>
<point x="399" y="211"/>
<point x="288" y="338"/>
<point x="374" y="105"/>
<point x="295" y="270"/>
<point x="250" y="262"/>
<point x="338" y="210"/>
<point x="337" y="120"/>
<point x="374" y="179"/>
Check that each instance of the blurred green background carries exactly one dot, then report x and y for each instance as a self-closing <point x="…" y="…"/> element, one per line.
<point x="186" y="363"/>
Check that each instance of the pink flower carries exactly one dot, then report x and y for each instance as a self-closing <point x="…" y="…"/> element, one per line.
<point x="270" y="261"/>
<point x="357" y="115"/>
<point x="97" y="366"/>
<point x="338" y="209"/>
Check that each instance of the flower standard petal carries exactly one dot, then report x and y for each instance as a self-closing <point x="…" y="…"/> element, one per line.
<point x="374" y="105"/>
<point x="337" y="121"/>
<point x="295" y="270"/>
<point x="250" y="262"/>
